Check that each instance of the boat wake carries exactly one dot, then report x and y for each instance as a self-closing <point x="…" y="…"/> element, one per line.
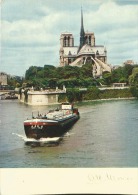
<point x="21" y="136"/>
<point x="41" y="141"/>
<point x="68" y="134"/>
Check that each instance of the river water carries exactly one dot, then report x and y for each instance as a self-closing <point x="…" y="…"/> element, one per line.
<point x="106" y="135"/>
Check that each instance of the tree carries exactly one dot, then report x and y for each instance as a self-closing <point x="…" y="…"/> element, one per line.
<point x="107" y="78"/>
<point x="86" y="71"/>
<point x="133" y="78"/>
<point x="31" y="72"/>
<point x="128" y="70"/>
<point x="49" y="71"/>
<point x="121" y="74"/>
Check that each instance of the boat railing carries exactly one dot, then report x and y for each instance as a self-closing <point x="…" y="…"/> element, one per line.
<point x="56" y="117"/>
<point x="52" y="116"/>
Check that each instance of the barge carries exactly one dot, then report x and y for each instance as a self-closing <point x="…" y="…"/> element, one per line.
<point x="54" y="124"/>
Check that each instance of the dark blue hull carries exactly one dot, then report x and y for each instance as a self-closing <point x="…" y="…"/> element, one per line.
<point x="44" y="128"/>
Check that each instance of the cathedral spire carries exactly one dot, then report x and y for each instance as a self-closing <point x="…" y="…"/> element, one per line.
<point x="82" y="33"/>
<point x="82" y="27"/>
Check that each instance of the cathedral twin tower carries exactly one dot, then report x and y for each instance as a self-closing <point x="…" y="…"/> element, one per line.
<point x="86" y="52"/>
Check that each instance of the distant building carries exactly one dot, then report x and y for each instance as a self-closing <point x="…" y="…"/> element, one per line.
<point x="115" y="67"/>
<point x="86" y="52"/>
<point x="3" y="78"/>
<point x="130" y="62"/>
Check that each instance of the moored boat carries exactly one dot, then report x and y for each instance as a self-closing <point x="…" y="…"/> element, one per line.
<point x="54" y="124"/>
<point x="9" y="96"/>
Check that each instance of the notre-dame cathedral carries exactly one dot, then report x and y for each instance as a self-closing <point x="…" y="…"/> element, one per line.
<point x="86" y="52"/>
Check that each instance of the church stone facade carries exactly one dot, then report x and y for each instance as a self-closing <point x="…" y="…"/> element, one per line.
<point x="3" y="78"/>
<point x="86" y="52"/>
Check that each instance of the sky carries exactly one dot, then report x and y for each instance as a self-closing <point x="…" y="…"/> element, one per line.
<point x="30" y="30"/>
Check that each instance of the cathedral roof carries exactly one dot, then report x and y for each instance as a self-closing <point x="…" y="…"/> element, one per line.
<point x="86" y="49"/>
<point x="70" y="50"/>
<point x="100" y="49"/>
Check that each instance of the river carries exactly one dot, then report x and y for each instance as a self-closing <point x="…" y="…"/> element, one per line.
<point x="106" y="135"/>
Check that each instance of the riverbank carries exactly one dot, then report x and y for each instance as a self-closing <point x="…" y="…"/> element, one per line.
<point x="94" y="94"/>
<point x="110" y="99"/>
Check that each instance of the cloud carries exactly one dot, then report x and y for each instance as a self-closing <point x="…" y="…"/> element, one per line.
<point x="19" y="59"/>
<point x="111" y="16"/>
<point x="116" y="27"/>
<point x="31" y="30"/>
<point x="17" y="10"/>
<point x="126" y="2"/>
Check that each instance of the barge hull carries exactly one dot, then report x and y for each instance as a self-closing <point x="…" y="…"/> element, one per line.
<point x="46" y="129"/>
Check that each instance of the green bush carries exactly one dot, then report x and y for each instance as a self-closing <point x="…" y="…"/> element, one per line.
<point x="91" y="94"/>
<point x="115" y="93"/>
<point x="74" y="95"/>
<point x="94" y="93"/>
<point x="134" y="91"/>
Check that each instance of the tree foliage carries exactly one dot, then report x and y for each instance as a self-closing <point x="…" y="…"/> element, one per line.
<point x="133" y="81"/>
<point x="15" y="81"/>
<point x="121" y="74"/>
<point x="51" y="76"/>
<point x="93" y="93"/>
<point x="133" y="78"/>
